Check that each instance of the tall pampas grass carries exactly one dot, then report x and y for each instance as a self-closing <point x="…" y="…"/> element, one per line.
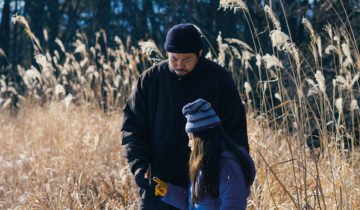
<point x="20" y="19"/>
<point x="268" y="11"/>
<point x="271" y="61"/>
<point x="313" y="127"/>
<point x="235" y="5"/>
<point x="149" y="47"/>
<point x="302" y="128"/>
<point x="65" y="157"/>
<point x="89" y="73"/>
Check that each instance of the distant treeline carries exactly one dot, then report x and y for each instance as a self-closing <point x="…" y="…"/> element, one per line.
<point x="150" y="19"/>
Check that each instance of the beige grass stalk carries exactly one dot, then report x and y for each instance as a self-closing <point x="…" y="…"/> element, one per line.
<point x="207" y="40"/>
<point x="272" y="61"/>
<point x="321" y="81"/>
<point x="351" y="32"/>
<point x="282" y="42"/>
<point x="315" y="43"/>
<point x="248" y="89"/>
<point x="236" y="52"/>
<point x="3" y="54"/>
<point x="240" y="43"/>
<point x="348" y="60"/>
<point x="222" y="48"/>
<point x="279" y="39"/>
<point x="339" y="52"/>
<point x="59" y="42"/>
<point x="149" y="47"/>
<point x="236" y="5"/>
<point x="268" y="11"/>
<point x="20" y="19"/>
<point x="330" y="48"/>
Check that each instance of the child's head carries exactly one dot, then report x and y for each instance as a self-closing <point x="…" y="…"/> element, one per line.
<point x="200" y="117"/>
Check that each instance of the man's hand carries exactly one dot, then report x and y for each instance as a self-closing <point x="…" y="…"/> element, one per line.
<point x="161" y="187"/>
<point x="140" y="179"/>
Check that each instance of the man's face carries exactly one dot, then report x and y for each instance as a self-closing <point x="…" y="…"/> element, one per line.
<point x="183" y="63"/>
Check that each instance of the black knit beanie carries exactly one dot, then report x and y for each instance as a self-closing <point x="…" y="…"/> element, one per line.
<point x="183" y="38"/>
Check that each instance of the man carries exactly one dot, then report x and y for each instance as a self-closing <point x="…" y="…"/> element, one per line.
<point x="153" y="132"/>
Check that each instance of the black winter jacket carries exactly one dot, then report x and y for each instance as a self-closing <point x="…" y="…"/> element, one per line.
<point x="153" y="131"/>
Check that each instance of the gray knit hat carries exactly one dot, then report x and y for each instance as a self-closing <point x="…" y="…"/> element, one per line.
<point x="199" y="116"/>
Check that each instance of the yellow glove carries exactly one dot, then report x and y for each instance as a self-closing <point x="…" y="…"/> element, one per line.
<point x="161" y="187"/>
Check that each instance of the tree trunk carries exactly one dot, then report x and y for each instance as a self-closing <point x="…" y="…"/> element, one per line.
<point x="53" y="20"/>
<point x="103" y="14"/>
<point x="71" y="26"/>
<point x="5" y="27"/>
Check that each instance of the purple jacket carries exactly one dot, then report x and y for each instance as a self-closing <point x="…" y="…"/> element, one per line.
<point x="232" y="189"/>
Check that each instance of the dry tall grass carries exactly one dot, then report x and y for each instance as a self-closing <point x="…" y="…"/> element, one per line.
<point x="306" y="107"/>
<point x="57" y="157"/>
<point x="97" y="74"/>
<point x="291" y="176"/>
<point x="67" y="156"/>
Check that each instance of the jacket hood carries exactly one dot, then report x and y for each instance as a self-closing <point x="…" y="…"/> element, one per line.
<point x="228" y="155"/>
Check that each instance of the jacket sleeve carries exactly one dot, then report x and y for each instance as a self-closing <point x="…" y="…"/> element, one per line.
<point x="232" y="188"/>
<point x="233" y="114"/>
<point x="135" y="128"/>
<point x="177" y="197"/>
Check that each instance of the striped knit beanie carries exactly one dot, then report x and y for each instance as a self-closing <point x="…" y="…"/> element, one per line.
<point x="199" y="116"/>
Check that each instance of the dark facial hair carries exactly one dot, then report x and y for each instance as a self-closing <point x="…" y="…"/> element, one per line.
<point x="177" y="70"/>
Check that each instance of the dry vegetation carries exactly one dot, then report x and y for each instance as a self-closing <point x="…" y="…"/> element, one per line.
<point x="57" y="157"/>
<point x="290" y="176"/>
<point x="61" y="150"/>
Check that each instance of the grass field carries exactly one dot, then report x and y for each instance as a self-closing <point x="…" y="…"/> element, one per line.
<point x="57" y="157"/>
<point x="61" y="146"/>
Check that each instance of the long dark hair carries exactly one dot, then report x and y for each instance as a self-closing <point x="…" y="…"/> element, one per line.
<point x="206" y="157"/>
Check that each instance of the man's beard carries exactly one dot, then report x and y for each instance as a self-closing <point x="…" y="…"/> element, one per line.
<point x="178" y="71"/>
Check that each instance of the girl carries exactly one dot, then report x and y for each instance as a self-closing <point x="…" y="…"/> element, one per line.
<point x="221" y="173"/>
